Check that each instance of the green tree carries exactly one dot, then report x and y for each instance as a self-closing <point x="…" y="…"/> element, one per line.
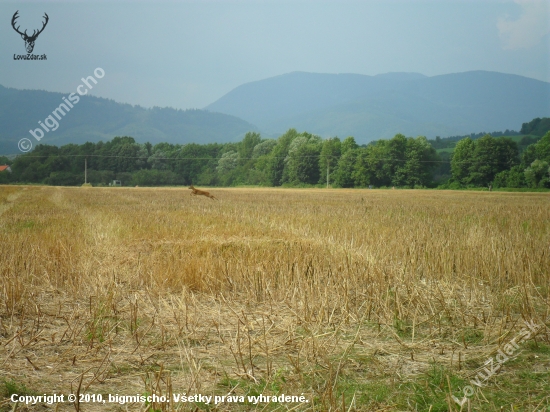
<point x="159" y="160"/>
<point x="462" y="160"/>
<point x="36" y="166"/>
<point x="246" y="146"/>
<point x="118" y="155"/>
<point x="263" y="148"/>
<point x="490" y="157"/>
<point x="259" y="174"/>
<point x="369" y="167"/>
<point x="155" y="177"/>
<point x="537" y="126"/>
<point x="529" y="155"/>
<point x="64" y="179"/>
<point x="348" y="144"/>
<point x="100" y="177"/>
<point x="478" y="162"/>
<point x="5" y="177"/>
<point x="420" y="161"/>
<point x="484" y="163"/>
<point x="515" y="177"/>
<point x="302" y="161"/>
<point x="396" y="156"/>
<point x="536" y="175"/>
<point x="543" y="148"/>
<point x="344" y="176"/>
<point x="191" y="160"/>
<point x="276" y="162"/>
<point x="228" y="162"/>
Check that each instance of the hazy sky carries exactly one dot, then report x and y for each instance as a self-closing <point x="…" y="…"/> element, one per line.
<point x="187" y="54"/>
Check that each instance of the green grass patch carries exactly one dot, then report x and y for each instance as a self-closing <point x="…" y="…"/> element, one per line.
<point x="430" y="391"/>
<point x="365" y="394"/>
<point x="471" y="335"/>
<point x="9" y="387"/>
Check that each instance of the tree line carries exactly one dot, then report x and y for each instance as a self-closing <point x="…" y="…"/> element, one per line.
<point x="294" y="159"/>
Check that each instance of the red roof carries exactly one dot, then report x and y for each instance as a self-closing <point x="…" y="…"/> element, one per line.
<point x="2" y="168"/>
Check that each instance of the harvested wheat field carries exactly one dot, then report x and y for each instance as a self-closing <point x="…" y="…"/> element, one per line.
<point x="346" y="300"/>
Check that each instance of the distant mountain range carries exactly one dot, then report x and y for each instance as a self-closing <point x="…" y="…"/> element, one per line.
<point x="93" y="119"/>
<point x="366" y="107"/>
<point x="375" y="107"/>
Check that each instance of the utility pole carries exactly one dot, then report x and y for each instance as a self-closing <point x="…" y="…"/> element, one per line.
<point x="85" y="170"/>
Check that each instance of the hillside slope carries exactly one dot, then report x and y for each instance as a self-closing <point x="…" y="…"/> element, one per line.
<point x="93" y="119"/>
<point x="374" y="107"/>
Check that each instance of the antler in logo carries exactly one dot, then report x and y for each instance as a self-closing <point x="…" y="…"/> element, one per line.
<point x="29" y="40"/>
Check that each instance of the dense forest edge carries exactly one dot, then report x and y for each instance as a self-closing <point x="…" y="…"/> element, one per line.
<point x="514" y="160"/>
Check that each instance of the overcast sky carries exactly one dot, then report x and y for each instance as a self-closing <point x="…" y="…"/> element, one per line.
<point x="187" y="54"/>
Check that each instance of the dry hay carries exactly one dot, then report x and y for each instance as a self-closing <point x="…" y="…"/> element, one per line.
<point x="115" y="290"/>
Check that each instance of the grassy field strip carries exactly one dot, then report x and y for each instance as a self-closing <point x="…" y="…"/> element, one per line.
<point x="8" y="197"/>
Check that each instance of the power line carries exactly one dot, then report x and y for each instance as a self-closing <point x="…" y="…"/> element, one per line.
<point x="146" y="158"/>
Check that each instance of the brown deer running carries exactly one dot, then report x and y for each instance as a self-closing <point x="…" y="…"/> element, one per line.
<point x="196" y="192"/>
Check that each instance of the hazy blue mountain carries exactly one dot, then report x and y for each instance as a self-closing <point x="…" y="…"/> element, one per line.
<point x="374" y="107"/>
<point x="401" y="76"/>
<point x="93" y="119"/>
